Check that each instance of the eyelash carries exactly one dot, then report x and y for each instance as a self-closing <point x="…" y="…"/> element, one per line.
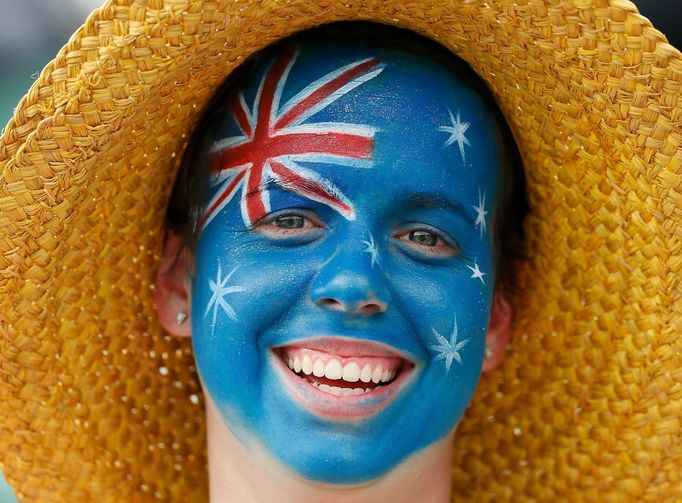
<point x="426" y="249"/>
<point x="282" y="232"/>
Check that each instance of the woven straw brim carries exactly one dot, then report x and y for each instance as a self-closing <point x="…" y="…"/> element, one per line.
<point x="97" y="403"/>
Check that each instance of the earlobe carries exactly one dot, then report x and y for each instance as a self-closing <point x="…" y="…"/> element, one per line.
<point x="499" y="331"/>
<point x="172" y="294"/>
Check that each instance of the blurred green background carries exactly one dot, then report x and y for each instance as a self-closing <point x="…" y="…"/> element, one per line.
<point x="31" y="32"/>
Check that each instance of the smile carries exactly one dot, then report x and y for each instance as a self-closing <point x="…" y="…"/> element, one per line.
<point x="342" y="378"/>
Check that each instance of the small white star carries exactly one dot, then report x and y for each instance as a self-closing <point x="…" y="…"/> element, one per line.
<point x="456" y="131"/>
<point x="372" y="249"/>
<point x="476" y="272"/>
<point x="480" y="212"/>
<point x="448" y="350"/>
<point x="220" y="289"/>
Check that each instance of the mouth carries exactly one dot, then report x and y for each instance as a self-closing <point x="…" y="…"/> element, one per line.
<point x="342" y="378"/>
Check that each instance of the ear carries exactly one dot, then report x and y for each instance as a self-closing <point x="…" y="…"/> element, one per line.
<point x="173" y="291"/>
<point x="499" y="331"/>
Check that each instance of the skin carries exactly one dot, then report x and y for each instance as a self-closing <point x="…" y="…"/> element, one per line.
<point x="410" y="268"/>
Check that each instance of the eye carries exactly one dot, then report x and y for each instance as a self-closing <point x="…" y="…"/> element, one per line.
<point x="428" y="242"/>
<point x="424" y="238"/>
<point x="286" y="224"/>
<point x="289" y="222"/>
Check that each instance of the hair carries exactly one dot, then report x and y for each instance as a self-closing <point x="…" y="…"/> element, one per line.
<point x="191" y="185"/>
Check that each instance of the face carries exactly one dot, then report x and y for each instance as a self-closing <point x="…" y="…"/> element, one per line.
<point x="344" y="272"/>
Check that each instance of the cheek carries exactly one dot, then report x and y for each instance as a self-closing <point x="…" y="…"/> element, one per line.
<point x="446" y="304"/>
<point x="238" y="292"/>
<point x="231" y="356"/>
<point x="433" y="295"/>
<point x="431" y="299"/>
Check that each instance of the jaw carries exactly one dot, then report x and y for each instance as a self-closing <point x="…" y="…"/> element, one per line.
<point x="342" y="379"/>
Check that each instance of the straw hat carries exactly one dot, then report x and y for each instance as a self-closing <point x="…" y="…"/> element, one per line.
<point x="98" y="403"/>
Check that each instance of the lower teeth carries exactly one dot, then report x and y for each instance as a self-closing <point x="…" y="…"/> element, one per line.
<point x="335" y="390"/>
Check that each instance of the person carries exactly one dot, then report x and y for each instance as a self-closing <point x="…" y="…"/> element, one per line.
<point x="98" y="402"/>
<point x="339" y="279"/>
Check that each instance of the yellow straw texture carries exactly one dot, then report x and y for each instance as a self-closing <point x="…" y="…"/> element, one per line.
<point x="97" y="403"/>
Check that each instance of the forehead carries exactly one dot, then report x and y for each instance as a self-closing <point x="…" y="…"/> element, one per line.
<point x="432" y="129"/>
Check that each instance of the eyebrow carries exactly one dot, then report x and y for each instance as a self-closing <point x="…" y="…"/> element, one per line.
<point x="270" y="184"/>
<point x="418" y="200"/>
<point x="428" y="200"/>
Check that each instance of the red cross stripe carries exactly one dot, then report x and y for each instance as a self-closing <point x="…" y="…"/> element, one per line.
<point x="275" y="140"/>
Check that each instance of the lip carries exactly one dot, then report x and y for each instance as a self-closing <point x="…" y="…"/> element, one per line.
<point x="348" y="407"/>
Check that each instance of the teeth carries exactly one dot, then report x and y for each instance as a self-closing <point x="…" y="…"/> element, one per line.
<point x="376" y="374"/>
<point x="387" y="375"/>
<point x="337" y="391"/>
<point x="333" y="369"/>
<point x="351" y="372"/>
<point x="318" y="368"/>
<point x="366" y="374"/>
<point x="307" y="365"/>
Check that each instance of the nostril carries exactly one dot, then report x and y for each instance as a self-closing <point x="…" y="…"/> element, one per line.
<point x="366" y="308"/>
<point x="371" y="308"/>
<point x="331" y="303"/>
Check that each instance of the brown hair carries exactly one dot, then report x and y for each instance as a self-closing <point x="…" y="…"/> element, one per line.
<point x="191" y="185"/>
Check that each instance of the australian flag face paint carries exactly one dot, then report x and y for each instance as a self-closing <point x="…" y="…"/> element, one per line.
<point x="345" y="268"/>
<point x="276" y="141"/>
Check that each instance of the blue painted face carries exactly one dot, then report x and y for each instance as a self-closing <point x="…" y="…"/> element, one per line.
<point x="345" y="267"/>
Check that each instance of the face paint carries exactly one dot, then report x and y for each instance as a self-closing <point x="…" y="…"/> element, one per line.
<point x="371" y="248"/>
<point x="275" y="141"/>
<point x="345" y="292"/>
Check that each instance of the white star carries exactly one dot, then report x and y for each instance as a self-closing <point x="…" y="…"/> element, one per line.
<point x="456" y="131"/>
<point x="480" y="212"/>
<point x="220" y="290"/>
<point x="372" y="249"/>
<point x="476" y="272"/>
<point x="448" y="350"/>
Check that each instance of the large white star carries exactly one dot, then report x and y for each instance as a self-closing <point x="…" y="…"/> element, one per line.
<point x="448" y="350"/>
<point x="480" y="212"/>
<point x="456" y="131"/>
<point x="476" y="272"/>
<point x="220" y="289"/>
<point x="372" y="249"/>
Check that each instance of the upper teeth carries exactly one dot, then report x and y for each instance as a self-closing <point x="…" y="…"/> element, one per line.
<point x="333" y="369"/>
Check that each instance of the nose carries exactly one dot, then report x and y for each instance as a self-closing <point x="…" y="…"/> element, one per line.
<point x="351" y="283"/>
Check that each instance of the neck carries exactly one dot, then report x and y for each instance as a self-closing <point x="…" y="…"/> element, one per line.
<point x="247" y="473"/>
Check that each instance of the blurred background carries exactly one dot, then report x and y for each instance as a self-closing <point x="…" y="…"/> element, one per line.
<point x="32" y="31"/>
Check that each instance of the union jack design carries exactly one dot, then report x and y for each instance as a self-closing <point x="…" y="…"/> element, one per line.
<point x="275" y="139"/>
